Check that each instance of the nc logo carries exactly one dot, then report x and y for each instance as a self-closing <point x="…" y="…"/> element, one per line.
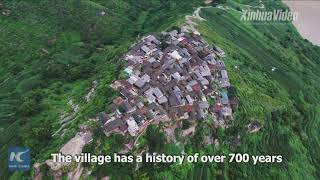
<point x="19" y="159"/>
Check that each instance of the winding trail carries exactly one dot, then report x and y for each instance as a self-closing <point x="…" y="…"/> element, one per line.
<point x="190" y="24"/>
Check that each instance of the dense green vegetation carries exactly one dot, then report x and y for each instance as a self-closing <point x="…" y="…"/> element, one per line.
<point x="51" y="51"/>
<point x="285" y="101"/>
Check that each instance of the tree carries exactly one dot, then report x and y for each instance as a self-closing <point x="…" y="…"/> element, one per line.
<point x="186" y="124"/>
<point x="30" y="103"/>
<point x="28" y="107"/>
<point x="155" y="139"/>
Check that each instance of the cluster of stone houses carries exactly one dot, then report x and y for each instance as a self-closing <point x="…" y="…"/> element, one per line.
<point x="175" y="76"/>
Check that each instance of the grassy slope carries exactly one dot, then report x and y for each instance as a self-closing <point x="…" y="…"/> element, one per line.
<point x="51" y="51"/>
<point x="286" y="101"/>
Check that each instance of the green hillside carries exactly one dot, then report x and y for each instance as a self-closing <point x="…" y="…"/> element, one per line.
<point x="52" y="51"/>
<point x="285" y="101"/>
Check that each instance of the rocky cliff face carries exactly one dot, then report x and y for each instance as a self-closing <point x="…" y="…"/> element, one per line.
<point x="73" y="147"/>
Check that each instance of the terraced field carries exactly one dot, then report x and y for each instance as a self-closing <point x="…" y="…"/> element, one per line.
<point x="51" y="51"/>
<point x="285" y="101"/>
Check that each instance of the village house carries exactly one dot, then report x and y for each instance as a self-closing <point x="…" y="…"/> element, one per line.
<point x="168" y="83"/>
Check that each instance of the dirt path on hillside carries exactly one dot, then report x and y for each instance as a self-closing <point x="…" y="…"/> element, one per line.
<point x="190" y="24"/>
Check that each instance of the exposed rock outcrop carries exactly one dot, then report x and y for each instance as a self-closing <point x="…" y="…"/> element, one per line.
<point x="73" y="147"/>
